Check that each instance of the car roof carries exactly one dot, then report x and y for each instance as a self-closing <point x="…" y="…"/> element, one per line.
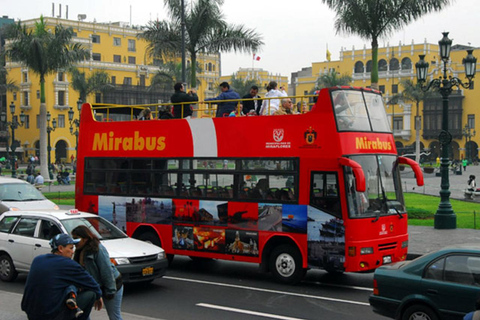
<point x="11" y="180"/>
<point x="61" y="214"/>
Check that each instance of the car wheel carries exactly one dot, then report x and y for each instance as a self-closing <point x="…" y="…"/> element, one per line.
<point x="419" y="312"/>
<point x="286" y="264"/>
<point x="7" y="269"/>
<point x="152" y="238"/>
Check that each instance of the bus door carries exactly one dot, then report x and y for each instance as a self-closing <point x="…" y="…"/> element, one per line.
<point x="326" y="231"/>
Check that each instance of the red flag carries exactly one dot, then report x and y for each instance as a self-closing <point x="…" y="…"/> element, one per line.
<point x="255" y="57"/>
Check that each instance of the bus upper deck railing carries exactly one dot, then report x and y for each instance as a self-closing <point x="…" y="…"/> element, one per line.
<point x="201" y="109"/>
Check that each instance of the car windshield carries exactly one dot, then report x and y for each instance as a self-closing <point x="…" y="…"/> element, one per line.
<point x="20" y="192"/>
<point x="100" y="227"/>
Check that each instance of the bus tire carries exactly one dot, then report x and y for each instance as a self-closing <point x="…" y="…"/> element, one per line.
<point x="152" y="238"/>
<point x="286" y="264"/>
<point x="8" y="273"/>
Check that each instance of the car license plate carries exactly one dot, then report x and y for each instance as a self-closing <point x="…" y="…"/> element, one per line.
<point x="387" y="259"/>
<point x="148" y="271"/>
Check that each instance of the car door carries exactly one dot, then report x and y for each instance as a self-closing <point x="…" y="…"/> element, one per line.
<point x="47" y="230"/>
<point x="21" y="242"/>
<point x="451" y="283"/>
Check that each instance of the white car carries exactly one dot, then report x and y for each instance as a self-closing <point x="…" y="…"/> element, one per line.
<point x="26" y="234"/>
<point x="16" y="194"/>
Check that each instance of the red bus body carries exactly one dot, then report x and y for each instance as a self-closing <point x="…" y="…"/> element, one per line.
<point x="324" y="229"/>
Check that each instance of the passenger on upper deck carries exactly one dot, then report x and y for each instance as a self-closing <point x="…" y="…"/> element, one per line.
<point x="285" y="108"/>
<point x="145" y="114"/>
<point x="252" y="107"/>
<point x="180" y="96"/>
<point x="269" y="106"/>
<point x="225" y="108"/>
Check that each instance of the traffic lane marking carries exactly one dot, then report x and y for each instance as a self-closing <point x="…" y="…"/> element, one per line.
<point x="269" y="291"/>
<point x="254" y="313"/>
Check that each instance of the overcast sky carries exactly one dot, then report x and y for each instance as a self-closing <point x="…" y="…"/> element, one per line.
<point x="296" y="33"/>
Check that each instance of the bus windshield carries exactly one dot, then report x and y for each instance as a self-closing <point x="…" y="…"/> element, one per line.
<point x="359" y="111"/>
<point x="383" y="195"/>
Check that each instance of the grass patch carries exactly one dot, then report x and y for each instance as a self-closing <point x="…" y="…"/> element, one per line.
<point x="61" y="198"/>
<point x="421" y="210"/>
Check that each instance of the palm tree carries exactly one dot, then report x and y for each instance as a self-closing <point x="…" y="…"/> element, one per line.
<point x="332" y="79"/>
<point x="44" y="52"/>
<point x="98" y="82"/>
<point x="412" y="92"/>
<point x="242" y="86"/>
<point x="374" y="19"/>
<point x="170" y="73"/>
<point x="206" y="31"/>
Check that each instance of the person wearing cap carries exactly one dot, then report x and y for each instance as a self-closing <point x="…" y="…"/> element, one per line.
<point x="52" y="281"/>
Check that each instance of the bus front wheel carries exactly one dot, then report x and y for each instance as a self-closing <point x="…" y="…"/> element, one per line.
<point x="286" y="264"/>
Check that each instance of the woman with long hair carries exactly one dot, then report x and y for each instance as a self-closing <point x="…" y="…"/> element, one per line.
<point x="93" y="256"/>
<point x="269" y="106"/>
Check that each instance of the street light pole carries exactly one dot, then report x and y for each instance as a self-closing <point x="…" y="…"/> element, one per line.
<point x="445" y="218"/>
<point x="49" y="146"/>
<point x="14" y="124"/>
<point x="75" y="122"/>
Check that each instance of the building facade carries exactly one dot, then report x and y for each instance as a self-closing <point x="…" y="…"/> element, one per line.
<point x="261" y="77"/>
<point x="397" y="63"/>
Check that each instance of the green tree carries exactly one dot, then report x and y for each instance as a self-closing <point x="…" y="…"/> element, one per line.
<point x="169" y="74"/>
<point x="205" y="31"/>
<point x="374" y="19"/>
<point x="332" y="79"/>
<point x="412" y="92"/>
<point x="242" y="86"/>
<point x="98" y="82"/>
<point x="44" y="52"/>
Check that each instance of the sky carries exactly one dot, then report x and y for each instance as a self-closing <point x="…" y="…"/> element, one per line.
<point x="296" y="33"/>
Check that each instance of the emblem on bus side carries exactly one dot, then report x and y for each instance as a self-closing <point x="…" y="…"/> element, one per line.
<point x="310" y="135"/>
<point x="278" y="135"/>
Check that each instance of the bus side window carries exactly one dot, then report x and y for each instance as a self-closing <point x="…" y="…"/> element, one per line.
<point x="324" y="193"/>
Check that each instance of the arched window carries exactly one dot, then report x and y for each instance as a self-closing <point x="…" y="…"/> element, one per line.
<point x="369" y="66"/>
<point x="209" y="66"/>
<point x="382" y="65"/>
<point x="406" y="64"/>
<point x="394" y="65"/>
<point x="359" y="67"/>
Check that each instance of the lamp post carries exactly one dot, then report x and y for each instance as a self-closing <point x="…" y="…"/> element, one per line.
<point x="49" y="147"/>
<point x="14" y="124"/>
<point x="468" y="134"/>
<point x="445" y="218"/>
<point x="75" y="122"/>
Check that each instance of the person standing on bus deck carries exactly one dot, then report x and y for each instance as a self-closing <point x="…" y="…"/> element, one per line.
<point x="269" y="106"/>
<point x="225" y="108"/>
<point x="182" y="110"/>
<point x="252" y="107"/>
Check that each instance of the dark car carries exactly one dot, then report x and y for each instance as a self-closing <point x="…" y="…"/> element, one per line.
<point x="441" y="285"/>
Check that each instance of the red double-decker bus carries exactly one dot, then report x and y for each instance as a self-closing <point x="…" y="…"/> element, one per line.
<point x="290" y="192"/>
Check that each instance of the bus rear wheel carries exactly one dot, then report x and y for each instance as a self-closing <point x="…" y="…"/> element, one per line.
<point x="152" y="238"/>
<point x="286" y="264"/>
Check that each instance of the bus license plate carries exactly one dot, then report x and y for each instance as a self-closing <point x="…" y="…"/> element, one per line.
<point x="148" y="271"/>
<point x="387" y="259"/>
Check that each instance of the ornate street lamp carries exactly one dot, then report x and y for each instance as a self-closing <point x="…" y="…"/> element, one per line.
<point x="468" y="133"/>
<point x="49" y="147"/>
<point x="75" y="122"/>
<point x="14" y="124"/>
<point x="445" y="218"/>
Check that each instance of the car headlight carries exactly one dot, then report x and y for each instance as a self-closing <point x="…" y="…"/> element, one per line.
<point x="119" y="261"/>
<point x="161" y="255"/>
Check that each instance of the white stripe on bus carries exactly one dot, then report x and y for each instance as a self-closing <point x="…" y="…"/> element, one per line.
<point x="204" y="137"/>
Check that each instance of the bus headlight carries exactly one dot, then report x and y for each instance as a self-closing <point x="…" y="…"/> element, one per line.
<point x="119" y="261"/>
<point x="367" y="250"/>
<point x="405" y="244"/>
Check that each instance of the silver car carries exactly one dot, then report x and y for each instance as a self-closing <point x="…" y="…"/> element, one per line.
<point x="16" y="194"/>
<point x="26" y="234"/>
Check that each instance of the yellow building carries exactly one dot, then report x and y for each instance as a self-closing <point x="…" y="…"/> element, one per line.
<point x="396" y="63"/>
<point x="262" y="78"/>
<point x="116" y="49"/>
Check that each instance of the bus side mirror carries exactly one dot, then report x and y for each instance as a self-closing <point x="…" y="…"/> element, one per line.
<point x="415" y="167"/>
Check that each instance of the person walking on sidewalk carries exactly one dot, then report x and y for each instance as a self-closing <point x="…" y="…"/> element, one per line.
<point x="93" y="256"/>
<point x="50" y="290"/>
<point x="464" y="164"/>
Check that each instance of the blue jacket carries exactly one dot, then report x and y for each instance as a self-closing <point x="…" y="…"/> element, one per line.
<point x="102" y="270"/>
<point x="226" y="107"/>
<point x="49" y="276"/>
